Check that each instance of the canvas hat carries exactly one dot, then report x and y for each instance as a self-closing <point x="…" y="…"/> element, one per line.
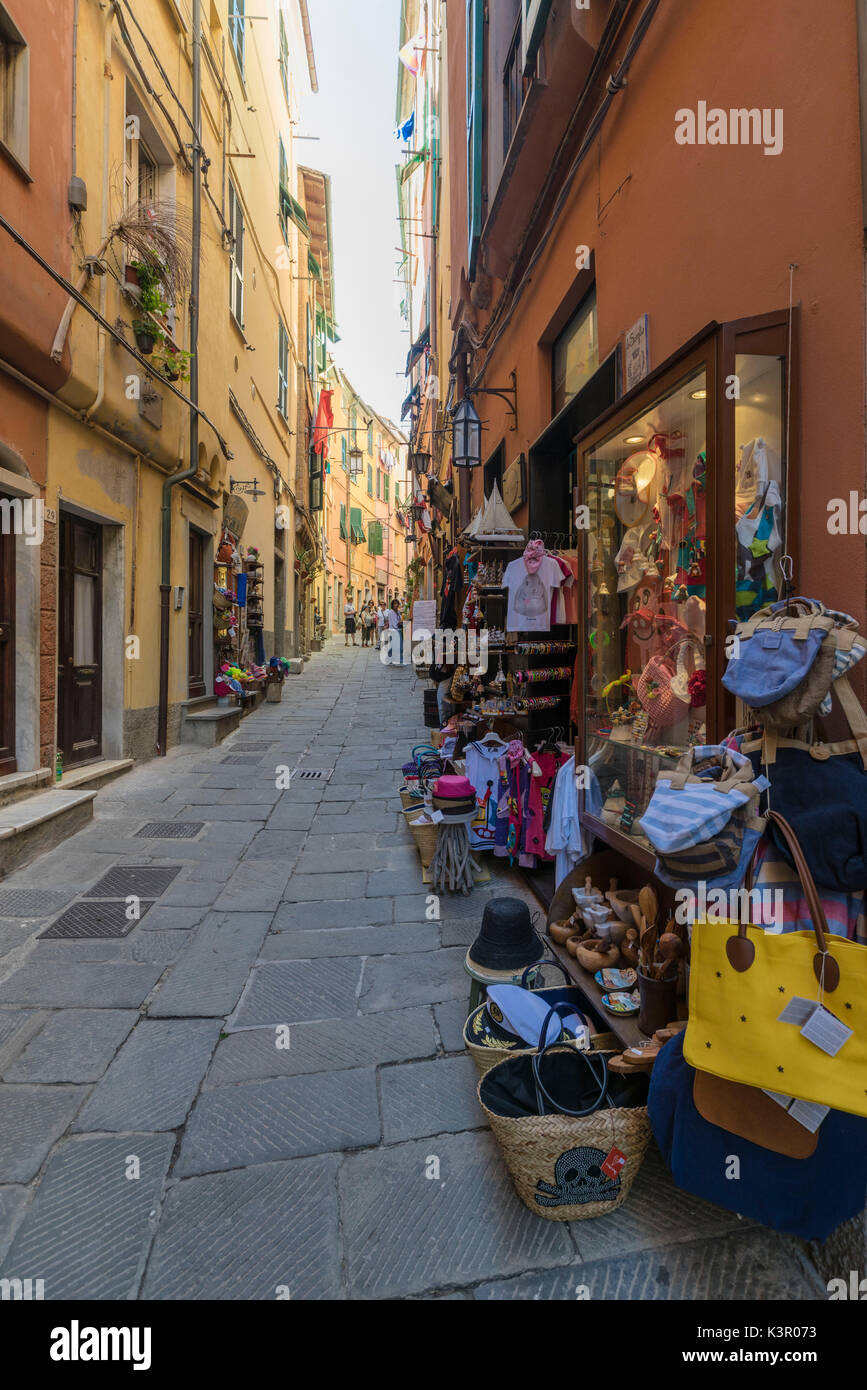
<point x="521" y="1013"/>
<point x="507" y="940"/>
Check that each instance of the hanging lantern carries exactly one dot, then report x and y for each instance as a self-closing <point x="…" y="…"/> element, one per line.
<point x="467" y="445"/>
<point x="356" y="462"/>
<point x="419" y="462"/>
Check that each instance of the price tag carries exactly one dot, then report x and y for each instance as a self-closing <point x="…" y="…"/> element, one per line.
<point x="826" y="1031"/>
<point x="798" y="1011"/>
<point x="613" y="1164"/>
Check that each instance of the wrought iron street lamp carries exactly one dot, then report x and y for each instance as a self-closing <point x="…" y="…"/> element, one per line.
<point x="356" y="462"/>
<point x="467" y="443"/>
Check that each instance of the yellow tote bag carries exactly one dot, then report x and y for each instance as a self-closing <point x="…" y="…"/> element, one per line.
<point x="741" y="980"/>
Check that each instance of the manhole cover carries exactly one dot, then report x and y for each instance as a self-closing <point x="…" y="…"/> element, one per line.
<point x="142" y="881"/>
<point x="94" y="919"/>
<point x="245" y="759"/>
<point x="252" y="747"/>
<point x="170" y="830"/>
<point x="31" y="902"/>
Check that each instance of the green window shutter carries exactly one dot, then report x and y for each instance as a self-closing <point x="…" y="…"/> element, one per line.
<point x="374" y="538"/>
<point x="385" y="483"/>
<point x="356" y="525"/>
<point x="343" y="450"/>
<point x="378" y="483"/>
<point x="475" y="126"/>
<point x="290" y="207"/>
<point x="343" y="521"/>
<point x="396" y="493"/>
<point x="370" y="480"/>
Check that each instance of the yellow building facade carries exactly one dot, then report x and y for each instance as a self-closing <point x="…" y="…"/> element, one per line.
<point x="134" y="136"/>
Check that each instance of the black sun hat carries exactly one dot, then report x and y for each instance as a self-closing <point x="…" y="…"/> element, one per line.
<point x="507" y="940"/>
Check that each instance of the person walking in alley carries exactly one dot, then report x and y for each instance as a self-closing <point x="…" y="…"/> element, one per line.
<point x="368" y="624"/>
<point x="381" y="621"/>
<point x="394" y="623"/>
<point x="349" y="623"/>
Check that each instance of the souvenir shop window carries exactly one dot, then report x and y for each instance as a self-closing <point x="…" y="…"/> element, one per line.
<point x="644" y="484"/>
<point x="759" y="480"/>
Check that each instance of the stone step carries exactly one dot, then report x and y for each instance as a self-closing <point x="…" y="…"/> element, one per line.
<point x="15" y="786"/>
<point x="95" y="775"/>
<point x="206" y="723"/>
<point x="39" y="823"/>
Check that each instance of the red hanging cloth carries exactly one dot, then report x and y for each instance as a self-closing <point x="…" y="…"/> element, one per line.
<point x="324" y="422"/>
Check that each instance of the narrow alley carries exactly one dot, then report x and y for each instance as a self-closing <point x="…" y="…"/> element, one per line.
<point x="241" y="1098"/>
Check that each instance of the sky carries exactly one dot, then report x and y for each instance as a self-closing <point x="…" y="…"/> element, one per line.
<point x="356" y="43"/>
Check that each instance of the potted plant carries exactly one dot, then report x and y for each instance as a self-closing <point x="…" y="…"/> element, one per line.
<point x="145" y="335"/>
<point x="173" y="362"/>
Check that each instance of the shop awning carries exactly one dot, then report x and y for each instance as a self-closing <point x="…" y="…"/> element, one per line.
<point x="440" y="496"/>
<point x="418" y="347"/>
<point x="412" y="399"/>
<point x="290" y="207"/>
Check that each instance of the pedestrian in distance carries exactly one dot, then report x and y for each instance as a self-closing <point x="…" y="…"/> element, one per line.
<point x="395" y="623"/>
<point x="349" y="623"/>
<point x="368" y="624"/>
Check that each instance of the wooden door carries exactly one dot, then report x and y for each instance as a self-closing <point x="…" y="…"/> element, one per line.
<point x="196" y="617"/>
<point x="7" y="645"/>
<point x="80" y="641"/>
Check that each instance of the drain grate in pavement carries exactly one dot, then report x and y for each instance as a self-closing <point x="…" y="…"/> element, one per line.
<point x="170" y="830"/>
<point x="31" y="902"/>
<point x="261" y="747"/>
<point x="313" y="774"/>
<point x="141" y="880"/>
<point x="94" y="919"/>
<point x="242" y="759"/>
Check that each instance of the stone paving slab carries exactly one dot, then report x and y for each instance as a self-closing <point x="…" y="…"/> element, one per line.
<point x="347" y="860"/>
<point x="12" y="1203"/>
<point x="362" y="941"/>
<point x="436" y="1097"/>
<point x="263" y="1121"/>
<point x="187" y="892"/>
<point x="107" y="986"/>
<point x="254" y="887"/>
<point x="393" y="981"/>
<point x="282" y="992"/>
<point x="316" y="887"/>
<point x="89" y="1227"/>
<point x="346" y="913"/>
<point x="154" y="1078"/>
<point x="17" y="1027"/>
<point x="330" y="1045"/>
<point x="282" y="845"/>
<point x="208" y="979"/>
<point x="413" y="907"/>
<point x="368" y="819"/>
<point x="146" y="947"/>
<point x="743" y="1266"/>
<point x="175" y="918"/>
<point x="405" y="1233"/>
<point x="75" y="1045"/>
<point x="297" y="816"/>
<point x="32" y="1118"/>
<point x="450" y="1019"/>
<point x="268" y="1232"/>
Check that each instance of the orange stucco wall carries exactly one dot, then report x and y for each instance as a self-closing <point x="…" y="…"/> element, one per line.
<point x="688" y="234"/>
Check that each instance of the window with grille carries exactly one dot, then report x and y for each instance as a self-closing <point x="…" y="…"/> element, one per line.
<point x="236" y="30"/>
<point x="236" y="264"/>
<point x="282" y="370"/>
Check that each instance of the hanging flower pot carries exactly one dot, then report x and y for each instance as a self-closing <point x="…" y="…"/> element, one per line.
<point x="145" y="336"/>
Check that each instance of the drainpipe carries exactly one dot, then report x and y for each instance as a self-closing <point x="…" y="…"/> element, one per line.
<point x="103" y="239"/>
<point x="190" y="470"/>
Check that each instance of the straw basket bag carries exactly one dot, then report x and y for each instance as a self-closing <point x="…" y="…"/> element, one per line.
<point x="567" y="1166"/>
<point x="488" y="1055"/>
<point x="424" y="836"/>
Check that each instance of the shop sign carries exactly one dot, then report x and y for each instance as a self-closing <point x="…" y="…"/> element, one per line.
<point x="637" y="353"/>
<point x="513" y="484"/>
<point x="235" y="516"/>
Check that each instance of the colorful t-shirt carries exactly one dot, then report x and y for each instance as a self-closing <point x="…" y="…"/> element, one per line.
<point x="529" y="608"/>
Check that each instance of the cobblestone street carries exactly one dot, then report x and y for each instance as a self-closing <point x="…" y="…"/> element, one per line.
<point x="156" y="1141"/>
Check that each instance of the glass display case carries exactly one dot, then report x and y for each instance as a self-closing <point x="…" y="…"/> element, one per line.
<point x="681" y="512"/>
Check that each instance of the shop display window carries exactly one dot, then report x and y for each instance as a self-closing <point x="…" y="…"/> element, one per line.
<point x="682" y="529"/>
